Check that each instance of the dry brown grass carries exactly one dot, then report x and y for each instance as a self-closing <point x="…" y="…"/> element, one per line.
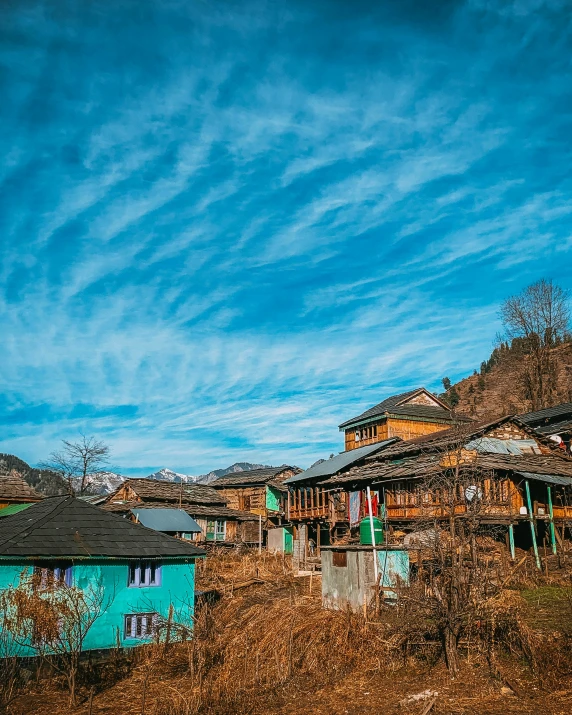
<point x="269" y="647"/>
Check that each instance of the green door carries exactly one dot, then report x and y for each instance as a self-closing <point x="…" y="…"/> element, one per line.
<point x="288" y="540"/>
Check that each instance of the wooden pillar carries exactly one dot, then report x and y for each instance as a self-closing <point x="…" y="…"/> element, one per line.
<point x="317" y="538"/>
<point x="511" y="541"/>
<point x="288" y="507"/>
<point x="531" y="521"/>
<point x="551" y="517"/>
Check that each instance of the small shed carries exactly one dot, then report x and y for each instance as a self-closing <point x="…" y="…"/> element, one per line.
<point x="348" y="574"/>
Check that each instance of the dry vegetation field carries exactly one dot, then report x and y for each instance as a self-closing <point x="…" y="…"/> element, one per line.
<point x="267" y="646"/>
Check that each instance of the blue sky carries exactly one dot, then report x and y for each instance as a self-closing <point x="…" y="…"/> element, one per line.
<point x="227" y="227"/>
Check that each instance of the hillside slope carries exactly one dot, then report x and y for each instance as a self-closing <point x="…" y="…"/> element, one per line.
<point x="45" y="482"/>
<point x="496" y="390"/>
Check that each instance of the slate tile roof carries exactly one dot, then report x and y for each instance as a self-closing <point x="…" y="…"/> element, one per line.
<point x="13" y="487"/>
<point x="170" y="491"/>
<point x="451" y="437"/>
<point x="541" y="416"/>
<point x="66" y="527"/>
<point x="251" y="477"/>
<point x="552" y="420"/>
<point x="422" y="456"/>
<point x="392" y="405"/>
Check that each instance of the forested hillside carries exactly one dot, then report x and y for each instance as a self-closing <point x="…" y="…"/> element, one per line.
<point x="44" y="481"/>
<point x="497" y="388"/>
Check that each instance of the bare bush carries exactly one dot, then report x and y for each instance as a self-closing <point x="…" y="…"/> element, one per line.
<point x="52" y="620"/>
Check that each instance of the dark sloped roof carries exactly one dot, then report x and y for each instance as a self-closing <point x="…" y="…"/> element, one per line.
<point x="555" y="463"/>
<point x="66" y="527"/>
<point x="250" y="477"/>
<point x="555" y="427"/>
<point x="452" y="437"/>
<point x="13" y="487"/>
<point x="422" y="456"/>
<point x="392" y="405"/>
<point x="172" y="492"/>
<point x="424" y="465"/>
<point x="547" y="415"/>
<point x="552" y="420"/>
<point x="415" y="467"/>
<point x="340" y="461"/>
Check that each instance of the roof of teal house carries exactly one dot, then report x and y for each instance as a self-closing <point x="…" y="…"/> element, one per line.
<point x="66" y="527"/>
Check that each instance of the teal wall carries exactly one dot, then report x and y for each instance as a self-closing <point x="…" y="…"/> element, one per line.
<point x="177" y="588"/>
<point x="272" y="499"/>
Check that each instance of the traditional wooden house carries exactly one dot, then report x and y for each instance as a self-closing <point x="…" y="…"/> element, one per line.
<point x="204" y="504"/>
<point x="15" y="494"/>
<point x="259" y="491"/>
<point x="141" y="574"/>
<point x="408" y="415"/>
<point x="320" y="515"/>
<point x="522" y="478"/>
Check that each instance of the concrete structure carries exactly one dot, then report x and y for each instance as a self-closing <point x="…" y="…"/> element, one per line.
<point x="280" y="540"/>
<point x="348" y="575"/>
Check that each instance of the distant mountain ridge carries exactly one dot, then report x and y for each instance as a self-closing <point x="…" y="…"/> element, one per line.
<point x="168" y="475"/>
<point x="50" y="483"/>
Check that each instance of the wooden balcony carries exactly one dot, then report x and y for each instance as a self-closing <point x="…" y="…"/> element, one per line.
<point x="306" y="503"/>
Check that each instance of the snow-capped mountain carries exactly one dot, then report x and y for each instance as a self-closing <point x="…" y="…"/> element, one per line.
<point x="168" y="475"/>
<point x="107" y="482"/>
<point x="104" y="482"/>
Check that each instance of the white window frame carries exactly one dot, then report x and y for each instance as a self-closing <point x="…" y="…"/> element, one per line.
<point x="141" y="573"/>
<point x="145" y="622"/>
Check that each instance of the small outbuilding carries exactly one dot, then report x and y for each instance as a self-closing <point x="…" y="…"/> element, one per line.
<point x="350" y="576"/>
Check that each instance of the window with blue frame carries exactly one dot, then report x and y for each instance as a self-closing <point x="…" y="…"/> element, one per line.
<point x="53" y="575"/>
<point x="144" y="573"/>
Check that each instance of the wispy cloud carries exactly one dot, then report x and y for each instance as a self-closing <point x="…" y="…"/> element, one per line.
<point x="226" y="229"/>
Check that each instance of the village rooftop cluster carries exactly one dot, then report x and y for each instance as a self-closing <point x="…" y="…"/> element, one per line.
<point x="359" y="518"/>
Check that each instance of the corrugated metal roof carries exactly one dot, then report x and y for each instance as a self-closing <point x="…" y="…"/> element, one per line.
<point x="166" y="520"/>
<point x="493" y="445"/>
<point x="548" y="478"/>
<point x="335" y="464"/>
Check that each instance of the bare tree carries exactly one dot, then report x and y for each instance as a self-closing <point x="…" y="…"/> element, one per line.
<point x="455" y="501"/>
<point x="539" y="317"/>
<point x="77" y="460"/>
<point x="53" y="620"/>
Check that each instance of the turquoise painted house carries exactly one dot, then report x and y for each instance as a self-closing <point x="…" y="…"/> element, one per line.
<point x="142" y="573"/>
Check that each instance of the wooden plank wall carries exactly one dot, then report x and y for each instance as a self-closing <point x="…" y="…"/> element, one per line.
<point x="251" y="499"/>
<point x="350" y="435"/>
<point x="393" y="427"/>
